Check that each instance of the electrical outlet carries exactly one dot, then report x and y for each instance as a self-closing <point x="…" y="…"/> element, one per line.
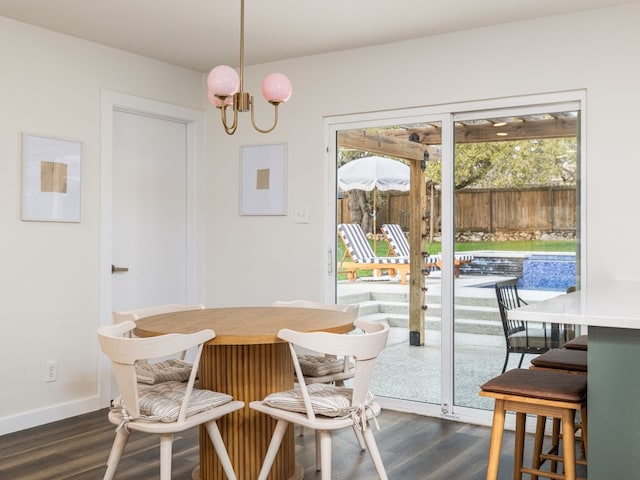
<point x="51" y="372"/>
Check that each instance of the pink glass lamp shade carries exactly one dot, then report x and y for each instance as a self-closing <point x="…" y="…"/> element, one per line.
<point x="223" y="81"/>
<point x="276" y="88"/>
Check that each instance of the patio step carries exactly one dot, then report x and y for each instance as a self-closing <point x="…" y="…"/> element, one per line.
<point x="483" y="327"/>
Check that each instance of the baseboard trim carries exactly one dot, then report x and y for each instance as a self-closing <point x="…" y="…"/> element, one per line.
<point x="43" y="416"/>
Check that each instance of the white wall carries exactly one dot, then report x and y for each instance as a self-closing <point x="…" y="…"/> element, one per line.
<point x="593" y="51"/>
<point x="50" y="85"/>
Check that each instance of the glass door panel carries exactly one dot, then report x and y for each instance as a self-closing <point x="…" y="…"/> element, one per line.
<point x="516" y="214"/>
<point x="369" y="198"/>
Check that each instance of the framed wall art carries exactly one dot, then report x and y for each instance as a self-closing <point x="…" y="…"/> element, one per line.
<point x="263" y="178"/>
<point x="50" y="179"/>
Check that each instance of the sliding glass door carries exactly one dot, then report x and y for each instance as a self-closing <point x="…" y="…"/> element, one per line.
<point x="494" y="193"/>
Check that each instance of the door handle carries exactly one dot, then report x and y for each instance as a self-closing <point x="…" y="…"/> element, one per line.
<point x="115" y="269"/>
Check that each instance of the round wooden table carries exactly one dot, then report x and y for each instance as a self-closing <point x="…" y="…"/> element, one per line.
<point x="247" y="360"/>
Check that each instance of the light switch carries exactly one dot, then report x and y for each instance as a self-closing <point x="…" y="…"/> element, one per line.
<point x="301" y="214"/>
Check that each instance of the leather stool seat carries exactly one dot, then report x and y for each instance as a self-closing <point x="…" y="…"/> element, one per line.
<point x="544" y="393"/>
<point x="578" y="343"/>
<point x="574" y="361"/>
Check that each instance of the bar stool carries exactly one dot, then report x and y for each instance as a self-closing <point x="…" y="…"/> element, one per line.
<point x="563" y="359"/>
<point x="544" y="393"/>
<point x="567" y="361"/>
<point x="578" y="343"/>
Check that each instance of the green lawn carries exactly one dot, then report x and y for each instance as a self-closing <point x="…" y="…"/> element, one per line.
<point x="382" y="249"/>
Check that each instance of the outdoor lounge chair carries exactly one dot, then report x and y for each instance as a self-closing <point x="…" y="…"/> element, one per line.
<point x="363" y="257"/>
<point x="400" y="247"/>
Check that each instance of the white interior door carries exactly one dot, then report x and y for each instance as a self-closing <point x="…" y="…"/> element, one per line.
<point x="149" y="189"/>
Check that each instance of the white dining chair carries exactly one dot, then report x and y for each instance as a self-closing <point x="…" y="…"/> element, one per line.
<point x="319" y="368"/>
<point x="164" y="408"/>
<point x="323" y="407"/>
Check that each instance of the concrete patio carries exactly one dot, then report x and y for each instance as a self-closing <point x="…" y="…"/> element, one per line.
<point x="414" y="372"/>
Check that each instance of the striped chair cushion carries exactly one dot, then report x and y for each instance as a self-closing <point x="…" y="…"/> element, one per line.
<point x="326" y="400"/>
<point x="356" y="243"/>
<point x="319" y="365"/>
<point x="162" y="402"/>
<point x="172" y="369"/>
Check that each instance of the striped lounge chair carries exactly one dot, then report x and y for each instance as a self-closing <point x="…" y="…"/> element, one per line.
<point x="363" y="257"/>
<point x="399" y="246"/>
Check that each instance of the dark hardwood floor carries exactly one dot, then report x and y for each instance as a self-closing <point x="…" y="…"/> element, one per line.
<point x="412" y="447"/>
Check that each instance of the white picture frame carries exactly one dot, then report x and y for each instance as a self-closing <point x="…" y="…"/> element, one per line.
<point x="51" y="179"/>
<point x="263" y="178"/>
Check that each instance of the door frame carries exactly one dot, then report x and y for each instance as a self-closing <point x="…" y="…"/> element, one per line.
<point x="193" y="120"/>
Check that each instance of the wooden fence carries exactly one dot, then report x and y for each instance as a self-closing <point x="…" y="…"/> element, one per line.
<point x="486" y="210"/>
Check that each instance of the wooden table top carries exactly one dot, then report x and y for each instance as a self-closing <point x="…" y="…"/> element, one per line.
<point x="246" y="325"/>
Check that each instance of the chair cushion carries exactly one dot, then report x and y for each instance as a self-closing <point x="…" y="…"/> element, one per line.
<point x="162" y="402"/>
<point x="544" y="384"/>
<point x="562" y="359"/>
<point x="319" y="365"/>
<point x="326" y="400"/>
<point x="172" y="369"/>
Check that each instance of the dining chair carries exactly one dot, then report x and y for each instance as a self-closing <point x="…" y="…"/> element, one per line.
<point x="165" y="408"/>
<point x="160" y="370"/>
<point x="525" y="337"/>
<point x="323" y="368"/>
<point x="326" y="408"/>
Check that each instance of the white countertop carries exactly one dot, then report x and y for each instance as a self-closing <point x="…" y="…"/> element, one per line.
<point x="616" y="305"/>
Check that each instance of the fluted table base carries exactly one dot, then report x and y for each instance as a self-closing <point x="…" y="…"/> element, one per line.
<point x="248" y="373"/>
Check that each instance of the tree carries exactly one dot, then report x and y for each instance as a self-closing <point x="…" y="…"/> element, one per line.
<point x="519" y="163"/>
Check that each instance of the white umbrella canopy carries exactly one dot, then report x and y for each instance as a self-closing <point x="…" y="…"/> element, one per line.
<point x="370" y="173"/>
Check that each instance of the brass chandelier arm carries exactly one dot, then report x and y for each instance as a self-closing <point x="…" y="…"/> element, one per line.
<point x="223" y="115"/>
<point x="275" y="120"/>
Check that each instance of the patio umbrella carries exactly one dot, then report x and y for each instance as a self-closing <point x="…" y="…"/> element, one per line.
<point x="374" y="173"/>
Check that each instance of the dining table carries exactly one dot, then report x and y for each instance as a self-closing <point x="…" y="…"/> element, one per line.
<point x="609" y="310"/>
<point x="247" y="360"/>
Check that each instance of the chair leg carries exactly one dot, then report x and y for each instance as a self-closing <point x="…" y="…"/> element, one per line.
<point x="506" y="361"/>
<point x="585" y="431"/>
<point x="272" y="451"/>
<point x="568" y="444"/>
<point x="318" y="452"/>
<point x="520" y="362"/>
<point x="122" y="436"/>
<point x="372" y="446"/>
<point x="221" y="450"/>
<point x="324" y="439"/>
<point x="166" y="447"/>
<point x="497" y="430"/>
<point x="537" y="445"/>
<point x="360" y="438"/>
<point x="518" y="457"/>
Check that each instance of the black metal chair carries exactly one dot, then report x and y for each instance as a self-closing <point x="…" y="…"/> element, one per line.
<point x="525" y="337"/>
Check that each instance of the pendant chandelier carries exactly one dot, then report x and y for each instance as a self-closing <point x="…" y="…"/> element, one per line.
<point x="225" y="90"/>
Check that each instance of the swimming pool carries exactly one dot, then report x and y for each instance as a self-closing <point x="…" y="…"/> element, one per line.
<point x="548" y="272"/>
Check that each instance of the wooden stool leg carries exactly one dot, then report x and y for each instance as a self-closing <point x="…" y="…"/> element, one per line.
<point x="569" y="444"/>
<point x="585" y="436"/>
<point x="555" y="443"/>
<point x="518" y="459"/>
<point x="497" y="431"/>
<point x="537" y="445"/>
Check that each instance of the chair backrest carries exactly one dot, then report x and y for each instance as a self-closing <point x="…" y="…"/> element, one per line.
<point x="397" y="239"/>
<point x="139" y="313"/>
<point x="355" y="242"/>
<point x="508" y="299"/>
<point x="363" y="348"/>
<point x="123" y="351"/>
<point x="352" y="309"/>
